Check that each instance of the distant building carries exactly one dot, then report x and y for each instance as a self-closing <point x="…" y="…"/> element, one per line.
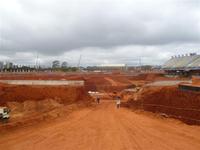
<point x="183" y="65"/>
<point x="56" y="64"/>
<point x="1" y="65"/>
<point x="9" y="65"/>
<point x="110" y="67"/>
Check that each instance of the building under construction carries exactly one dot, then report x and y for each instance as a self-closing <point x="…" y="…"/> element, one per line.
<point x="185" y="65"/>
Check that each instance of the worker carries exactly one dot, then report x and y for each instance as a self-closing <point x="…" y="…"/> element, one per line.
<point x="98" y="99"/>
<point x="118" y="101"/>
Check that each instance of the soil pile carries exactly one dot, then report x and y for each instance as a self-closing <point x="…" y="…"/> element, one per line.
<point x="32" y="104"/>
<point x="33" y="112"/>
<point x="31" y="109"/>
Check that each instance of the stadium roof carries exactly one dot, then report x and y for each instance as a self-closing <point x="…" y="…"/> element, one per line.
<point x="183" y="62"/>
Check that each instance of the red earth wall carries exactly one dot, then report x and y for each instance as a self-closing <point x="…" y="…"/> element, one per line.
<point x="184" y="105"/>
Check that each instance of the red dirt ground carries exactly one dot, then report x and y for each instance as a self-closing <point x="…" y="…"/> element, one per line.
<point x="99" y="127"/>
<point x="196" y="80"/>
<point x="105" y="128"/>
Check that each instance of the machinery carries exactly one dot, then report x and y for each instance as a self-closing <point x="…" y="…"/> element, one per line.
<point x="4" y="113"/>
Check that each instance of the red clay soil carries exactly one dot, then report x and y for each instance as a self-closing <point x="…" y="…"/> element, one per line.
<point x="106" y="83"/>
<point x="184" y="105"/>
<point x="127" y="95"/>
<point x="92" y="81"/>
<point x="104" y="128"/>
<point x="147" y="76"/>
<point x="21" y="93"/>
<point x="123" y="78"/>
<point x="32" y="104"/>
<point x="196" y="80"/>
<point x="117" y="82"/>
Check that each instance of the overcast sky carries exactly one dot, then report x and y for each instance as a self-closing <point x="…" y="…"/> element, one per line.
<point x="102" y="31"/>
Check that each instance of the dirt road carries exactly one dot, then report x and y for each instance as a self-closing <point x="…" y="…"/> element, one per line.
<point x="105" y="128"/>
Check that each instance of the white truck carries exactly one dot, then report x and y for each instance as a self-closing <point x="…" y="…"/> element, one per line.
<point x="4" y="113"/>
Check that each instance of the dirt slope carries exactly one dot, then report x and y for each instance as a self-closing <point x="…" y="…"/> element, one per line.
<point x="21" y="93"/>
<point x="105" y="128"/>
<point x="184" y="105"/>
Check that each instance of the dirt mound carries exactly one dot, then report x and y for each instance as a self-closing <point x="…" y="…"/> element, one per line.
<point x="32" y="112"/>
<point x="32" y="104"/>
<point x="171" y="101"/>
<point x="30" y="107"/>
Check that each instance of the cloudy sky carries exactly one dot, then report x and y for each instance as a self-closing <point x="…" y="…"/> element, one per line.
<point x="102" y="31"/>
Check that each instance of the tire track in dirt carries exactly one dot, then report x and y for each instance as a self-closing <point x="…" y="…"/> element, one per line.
<point x="166" y="136"/>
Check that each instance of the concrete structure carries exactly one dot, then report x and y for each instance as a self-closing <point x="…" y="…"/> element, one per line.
<point x="9" y="65"/>
<point x="112" y="67"/>
<point x="189" y="87"/>
<point x="1" y="65"/>
<point x="183" y="65"/>
<point x="193" y="86"/>
<point x="45" y="82"/>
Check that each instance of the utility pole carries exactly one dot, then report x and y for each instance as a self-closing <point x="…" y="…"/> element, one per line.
<point x="79" y="61"/>
<point x="140" y="63"/>
<point x="36" y="62"/>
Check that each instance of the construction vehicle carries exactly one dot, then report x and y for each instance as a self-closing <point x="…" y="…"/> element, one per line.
<point x="4" y="113"/>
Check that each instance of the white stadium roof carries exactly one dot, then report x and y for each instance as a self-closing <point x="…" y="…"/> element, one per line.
<point x="183" y="62"/>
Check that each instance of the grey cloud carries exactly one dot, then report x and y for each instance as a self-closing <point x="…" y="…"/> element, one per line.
<point x="55" y="27"/>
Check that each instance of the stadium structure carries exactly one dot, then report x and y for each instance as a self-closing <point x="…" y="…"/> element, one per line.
<point x="186" y="65"/>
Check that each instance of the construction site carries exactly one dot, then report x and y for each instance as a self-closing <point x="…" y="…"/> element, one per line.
<point x="59" y="111"/>
<point x="99" y="75"/>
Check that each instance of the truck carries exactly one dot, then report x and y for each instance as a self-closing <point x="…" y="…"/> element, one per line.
<point x="4" y="113"/>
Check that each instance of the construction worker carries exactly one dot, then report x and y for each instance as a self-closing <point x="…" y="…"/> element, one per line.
<point x="98" y="99"/>
<point x="118" y="101"/>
